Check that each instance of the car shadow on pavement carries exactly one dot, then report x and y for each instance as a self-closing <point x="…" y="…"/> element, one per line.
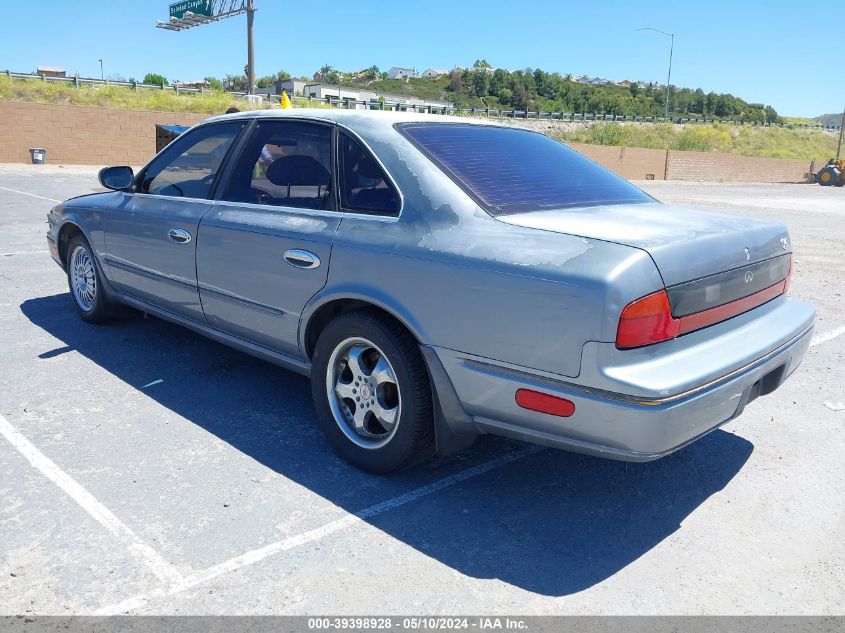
<point x="553" y="523"/>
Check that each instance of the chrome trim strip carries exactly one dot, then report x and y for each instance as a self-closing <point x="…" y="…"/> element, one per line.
<point x="277" y="358"/>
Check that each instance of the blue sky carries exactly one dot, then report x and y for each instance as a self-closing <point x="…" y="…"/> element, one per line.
<point x="771" y="52"/>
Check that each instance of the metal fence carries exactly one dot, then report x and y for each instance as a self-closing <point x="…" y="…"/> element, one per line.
<point x="496" y="113"/>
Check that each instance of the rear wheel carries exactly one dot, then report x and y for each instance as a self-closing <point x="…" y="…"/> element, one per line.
<point x="85" y="282"/>
<point x="827" y="176"/>
<point x="371" y="393"/>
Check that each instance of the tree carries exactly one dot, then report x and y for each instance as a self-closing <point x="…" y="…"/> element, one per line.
<point x="456" y="82"/>
<point x="214" y="83"/>
<point x="155" y="78"/>
<point x="521" y="100"/>
<point x="481" y="63"/>
<point x="479" y="82"/>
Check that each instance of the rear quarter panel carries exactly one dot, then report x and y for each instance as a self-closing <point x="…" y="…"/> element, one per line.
<point x="462" y="280"/>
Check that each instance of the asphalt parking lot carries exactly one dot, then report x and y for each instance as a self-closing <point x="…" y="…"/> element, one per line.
<point x="145" y="469"/>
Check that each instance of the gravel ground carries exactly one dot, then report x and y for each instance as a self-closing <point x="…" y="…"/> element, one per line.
<point x="211" y="492"/>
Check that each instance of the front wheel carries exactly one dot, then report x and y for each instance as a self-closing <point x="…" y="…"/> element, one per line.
<point x="85" y="282"/>
<point x="372" y="394"/>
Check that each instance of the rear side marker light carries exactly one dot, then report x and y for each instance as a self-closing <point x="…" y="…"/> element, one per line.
<point x="544" y="403"/>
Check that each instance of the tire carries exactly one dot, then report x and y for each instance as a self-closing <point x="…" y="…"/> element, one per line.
<point x="366" y="371"/>
<point x="826" y="176"/>
<point x="86" y="282"/>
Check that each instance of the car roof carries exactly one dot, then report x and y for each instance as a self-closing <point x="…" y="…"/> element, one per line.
<point x="351" y="118"/>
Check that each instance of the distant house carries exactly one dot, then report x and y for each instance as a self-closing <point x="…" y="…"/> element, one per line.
<point x="349" y="95"/>
<point x="580" y="79"/>
<point x="51" y="71"/>
<point x="401" y="73"/>
<point x="625" y="83"/>
<point x="290" y="86"/>
<point x="199" y="84"/>
<point x="434" y="73"/>
<point x="483" y="69"/>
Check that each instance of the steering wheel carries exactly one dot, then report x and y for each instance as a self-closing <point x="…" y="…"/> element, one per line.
<point x="259" y="195"/>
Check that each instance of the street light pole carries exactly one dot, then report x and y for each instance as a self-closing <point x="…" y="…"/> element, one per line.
<point x="102" y="76"/>
<point x="250" y="52"/>
<point x="669" y="78"/>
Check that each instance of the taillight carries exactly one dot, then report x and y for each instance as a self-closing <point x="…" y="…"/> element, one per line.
<point x="647" y="320"/>
<point x="788" y="275"/>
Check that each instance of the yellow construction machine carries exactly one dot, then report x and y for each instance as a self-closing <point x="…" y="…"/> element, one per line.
<point x="834" y="172"/>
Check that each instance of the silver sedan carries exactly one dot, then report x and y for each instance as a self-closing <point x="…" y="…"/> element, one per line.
<point x="439" y="278"/>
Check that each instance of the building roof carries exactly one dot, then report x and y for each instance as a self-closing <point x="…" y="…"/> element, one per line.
<point x="50" y="69"/>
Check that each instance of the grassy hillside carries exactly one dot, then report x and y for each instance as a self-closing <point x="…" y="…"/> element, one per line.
<point x="744" y="140"/>
<point x="829" y="119"/>
<point x="767" y="142"/>
<point x="116" y="97"/>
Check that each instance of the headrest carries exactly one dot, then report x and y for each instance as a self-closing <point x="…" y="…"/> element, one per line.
<point x="368" y="168"/>
<point x="298" y="170"/>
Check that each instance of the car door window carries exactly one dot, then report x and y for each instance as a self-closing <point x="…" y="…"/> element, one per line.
<point x="364" y="187"/>
<point x="284" y="163"/>
<point x="187" y="168"/>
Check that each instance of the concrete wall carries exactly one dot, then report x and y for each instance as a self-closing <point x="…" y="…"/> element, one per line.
<point x="106" y="136"/>
<point x="82" y="135"/>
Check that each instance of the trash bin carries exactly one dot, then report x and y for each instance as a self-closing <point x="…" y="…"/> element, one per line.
<point x="37" y="154"/>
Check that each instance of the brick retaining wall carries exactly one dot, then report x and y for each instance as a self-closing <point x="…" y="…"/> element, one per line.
<point x="82" y="135"/>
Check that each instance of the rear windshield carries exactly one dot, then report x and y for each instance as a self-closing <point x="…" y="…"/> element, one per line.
<point x="517" y="171"/>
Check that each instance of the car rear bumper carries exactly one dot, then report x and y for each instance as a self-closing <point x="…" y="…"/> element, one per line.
<point x="637" y="411"/>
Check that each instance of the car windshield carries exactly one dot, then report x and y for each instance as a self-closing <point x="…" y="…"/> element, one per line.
<point x="511" y="171"/>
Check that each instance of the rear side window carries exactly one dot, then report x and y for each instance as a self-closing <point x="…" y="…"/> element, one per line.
<point x="286" y="164"/>
<point x="517" y="171"/>
<point x="187" y="168"/>
<point x="364" y="187"/>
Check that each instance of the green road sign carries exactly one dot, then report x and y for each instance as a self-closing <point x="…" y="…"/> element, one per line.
<point x="198" y="7"/>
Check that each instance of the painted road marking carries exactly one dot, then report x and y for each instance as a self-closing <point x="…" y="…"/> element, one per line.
<point x="292" y="542"/>
<point x="818" y="339"/>
<point x="149" y="557"/>
<point x="24" y="193"/>
<point x="23" y="253"/>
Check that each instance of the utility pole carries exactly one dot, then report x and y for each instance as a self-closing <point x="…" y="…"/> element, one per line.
<point x="102" y="76"/>
<point x="669" y="78"/>
<point x="841" y="129"/>
<point x="250" y="51"/>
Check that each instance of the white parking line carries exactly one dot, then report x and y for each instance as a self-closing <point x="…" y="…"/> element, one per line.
<point x="24" y="193"/>
<point x="257" y="555"/>
<point x="23" y="253"/>
<point x="818" y="339"/>
<point x="149" y="557"/>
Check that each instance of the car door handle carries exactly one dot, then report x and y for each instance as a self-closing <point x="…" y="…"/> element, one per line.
<point x="180" y="236"/>
<point x="301" y="259"/>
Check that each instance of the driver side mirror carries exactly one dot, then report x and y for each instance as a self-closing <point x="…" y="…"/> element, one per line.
<point x="117" y="178"/>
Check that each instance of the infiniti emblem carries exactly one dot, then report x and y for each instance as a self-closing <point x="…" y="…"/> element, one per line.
<point x="748" y="276"/>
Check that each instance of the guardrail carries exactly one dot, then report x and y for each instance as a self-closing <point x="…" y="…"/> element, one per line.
<point x="496" y="113"/>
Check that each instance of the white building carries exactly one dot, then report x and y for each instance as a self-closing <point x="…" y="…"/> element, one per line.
<point x="322" y="91"/>
<point x="434" y="73"/>
<point x="401" y="73"/>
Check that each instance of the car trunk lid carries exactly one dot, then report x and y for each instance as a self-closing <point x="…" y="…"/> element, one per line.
<point x="685" y="245"/>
